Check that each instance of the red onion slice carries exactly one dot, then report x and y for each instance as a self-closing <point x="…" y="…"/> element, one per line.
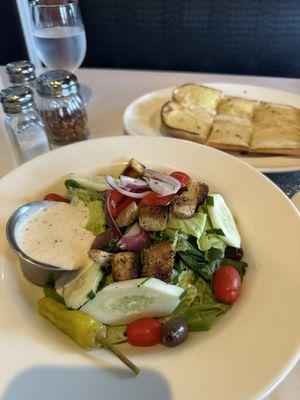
<point x="102" y="240"/>
<point x="159" y="187"/>
<point x="110" y="218"/>
<point x="135" y="239"/>
<point x="126" y="182"/>
<point x="110" y="180"/>
<point x="172" y="184"/>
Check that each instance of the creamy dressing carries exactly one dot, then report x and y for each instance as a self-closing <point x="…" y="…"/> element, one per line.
<point x="56" y="235"/>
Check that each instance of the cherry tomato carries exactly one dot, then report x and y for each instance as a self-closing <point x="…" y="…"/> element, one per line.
<point x="154" y="200"/>
<point x="55" y="197"/>
<point x="227" y="284"/>
<point x="144" y="332"/>
<point x="183" y="178"/>
<point x="115" y="198"/>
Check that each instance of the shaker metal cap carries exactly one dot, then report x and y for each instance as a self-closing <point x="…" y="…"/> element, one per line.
<point x="16" y="99"/>
<point x="21" y="71"/>
<point x="57" y="83"/>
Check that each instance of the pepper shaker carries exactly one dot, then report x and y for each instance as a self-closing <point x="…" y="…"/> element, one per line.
<point x="61" y="107"/>
<point x="22" y="122"/>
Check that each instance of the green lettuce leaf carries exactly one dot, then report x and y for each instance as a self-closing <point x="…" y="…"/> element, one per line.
<point x="93" y="200"/>
<point x="208" y="240"/>
<point x="97" y="220"/>
<point x="192" y="226"/>
<point x="77" y="193"/>
<point x="200" y="266"/>
<point x="185" y="280"/>
<point x="204" y="308"/>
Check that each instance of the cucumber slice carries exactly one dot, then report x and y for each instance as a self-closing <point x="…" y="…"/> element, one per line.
<point x="221" y="218"/>
<point x="95" y="182"/>
<point x="84" y="287"/>
<point x="125" y="301"/>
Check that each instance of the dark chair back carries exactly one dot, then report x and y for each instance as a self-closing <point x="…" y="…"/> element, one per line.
<point x="260" y="37"/>
<point x="12" y="45"/>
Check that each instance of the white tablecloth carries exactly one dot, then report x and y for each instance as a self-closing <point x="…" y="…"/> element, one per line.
<point x="112" y="91"/>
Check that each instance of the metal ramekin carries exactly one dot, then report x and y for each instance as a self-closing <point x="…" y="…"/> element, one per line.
<point x="36" y="272"/>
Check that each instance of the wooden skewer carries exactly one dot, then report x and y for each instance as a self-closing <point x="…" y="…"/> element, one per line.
<point x="105" y="343"/>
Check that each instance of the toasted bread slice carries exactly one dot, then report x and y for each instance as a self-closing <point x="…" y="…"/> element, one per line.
<point x="198" y="96"/>
<point x="276" y="139"/>
<point x="238" y="107"/>
<point x="228" y="135"/>
<point x="184" y="123"/>
<point x="269" y="114"/>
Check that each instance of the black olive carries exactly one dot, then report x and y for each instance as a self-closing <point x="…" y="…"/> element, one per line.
<point x="174" y="332"/>
<point x="234" y="253"/>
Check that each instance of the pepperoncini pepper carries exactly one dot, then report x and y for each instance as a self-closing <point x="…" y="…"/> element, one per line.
<point x="79" y="326"/>
<point x="76" y="324"/>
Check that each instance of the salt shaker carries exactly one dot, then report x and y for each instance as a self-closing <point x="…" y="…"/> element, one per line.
<point x="21" y="73"/>
<point x="23" y="123"/>
<point x="61" y="107"/>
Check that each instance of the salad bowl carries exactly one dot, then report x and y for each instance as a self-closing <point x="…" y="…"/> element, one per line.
<point x="247" y="352"/>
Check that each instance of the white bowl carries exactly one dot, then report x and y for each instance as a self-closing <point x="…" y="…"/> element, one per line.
<point x="248" y="350"/>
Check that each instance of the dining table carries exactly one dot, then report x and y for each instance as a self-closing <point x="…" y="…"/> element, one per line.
<point x="108" y="92"/>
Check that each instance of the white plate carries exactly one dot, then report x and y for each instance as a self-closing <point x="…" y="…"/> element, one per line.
<point x="247" y="352"/>
<point x="142" y="118"/>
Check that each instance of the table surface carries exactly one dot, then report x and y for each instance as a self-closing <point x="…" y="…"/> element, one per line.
<point x="112" y="90"/>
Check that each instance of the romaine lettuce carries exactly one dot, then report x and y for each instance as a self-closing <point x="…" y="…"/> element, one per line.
<point x="97" y="220"/>
<point x="93" y="200"/>
<point x="192" y="226"/>
<point x="203" y="310"/>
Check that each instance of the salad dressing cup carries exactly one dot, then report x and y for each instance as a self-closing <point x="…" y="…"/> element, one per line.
<point x="39" y="273"/>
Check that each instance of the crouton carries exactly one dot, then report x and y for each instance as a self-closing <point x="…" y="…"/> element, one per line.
<point x="134" y="169"/>
<point x="153" y="218"/>
<point x="128" y="216"/>
<point x="125" y="266"/>
<point x="158" y="261"/>
<point x="185" y="205"/>
<point x="102" y="257"/>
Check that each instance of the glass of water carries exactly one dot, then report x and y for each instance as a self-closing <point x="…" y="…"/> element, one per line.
<point x="58" y="33"/>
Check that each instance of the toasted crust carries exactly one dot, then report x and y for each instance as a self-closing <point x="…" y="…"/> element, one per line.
<point x="153" y="218"/>
<point x="125" y="266"/>
<point x="134" y="169"/>
<point x="128" y="216"/>
<point x="104" y="258"/>
<point x="158" y="261"/>
<point x="186" y="204"/>
<point x="282" y="151"/>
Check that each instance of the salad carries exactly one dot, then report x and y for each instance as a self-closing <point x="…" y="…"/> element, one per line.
<point x="165" y="259"/>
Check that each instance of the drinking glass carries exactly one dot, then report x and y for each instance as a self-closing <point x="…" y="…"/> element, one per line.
<point x="58" y="33"/>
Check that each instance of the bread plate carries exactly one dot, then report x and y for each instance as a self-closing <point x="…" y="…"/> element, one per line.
<point x="142" y="118"/>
